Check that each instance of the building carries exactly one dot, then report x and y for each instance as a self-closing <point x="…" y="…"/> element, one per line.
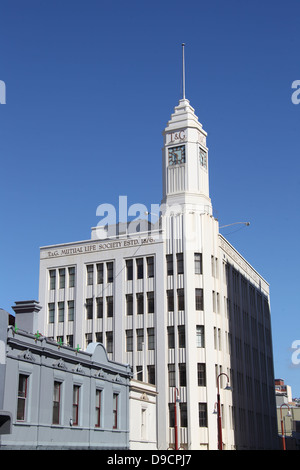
<point x="288" y="416"/>
<point x="58" y="397"/>
<point x="176" y="301"/>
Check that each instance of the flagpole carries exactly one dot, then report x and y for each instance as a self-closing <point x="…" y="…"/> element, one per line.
<point x="183" y="73"/>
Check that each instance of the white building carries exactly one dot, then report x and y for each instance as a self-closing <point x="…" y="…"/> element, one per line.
<point x="177" y="302"/>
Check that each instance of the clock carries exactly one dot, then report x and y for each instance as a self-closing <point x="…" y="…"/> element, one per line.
<point x="203" y="158"/>
<point x="177" y="155"/>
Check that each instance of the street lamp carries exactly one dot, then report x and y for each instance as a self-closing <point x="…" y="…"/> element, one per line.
<point x="282" y="427"/>
<point x="220" y="442"/>
<point x="176" y="399"/>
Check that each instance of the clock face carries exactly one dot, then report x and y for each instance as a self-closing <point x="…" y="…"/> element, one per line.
<point x="203" y="158"/>
<point x="177" y="155"/>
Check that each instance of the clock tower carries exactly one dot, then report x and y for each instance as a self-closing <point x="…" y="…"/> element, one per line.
<point x="185" y="161"/>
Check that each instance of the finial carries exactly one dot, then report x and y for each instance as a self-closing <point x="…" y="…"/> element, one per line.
<point x="183" y="72"/>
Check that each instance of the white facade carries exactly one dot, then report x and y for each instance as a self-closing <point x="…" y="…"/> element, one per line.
<point x="177" y="302"/>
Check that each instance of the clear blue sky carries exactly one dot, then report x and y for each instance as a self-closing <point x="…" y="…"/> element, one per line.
<point x="90" y="85"/>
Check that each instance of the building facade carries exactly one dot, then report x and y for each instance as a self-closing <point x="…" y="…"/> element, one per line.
<point x="177" y="302"/>
<point x="62" y="398"/>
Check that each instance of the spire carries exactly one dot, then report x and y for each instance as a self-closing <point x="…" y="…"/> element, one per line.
<point x="183" y="73"/>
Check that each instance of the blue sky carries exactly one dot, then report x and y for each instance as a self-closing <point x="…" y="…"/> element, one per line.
<point x="90" y="86"/>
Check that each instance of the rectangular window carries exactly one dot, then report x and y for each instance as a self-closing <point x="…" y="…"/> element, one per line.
<point x="183" y="414"/>
<point x="109" y="342"/>
<point x="129" y="340"/>
<point x="140" y="303"/>
<point x="90" y="275"/>
<point x="201" y="374"/>
<point x="115" y="410"/>
<point x="22" y="397"/>
<point x="88" y="339"/>
<point x="99" y="337"/>
<point x="62" y="278"/>
<point x="150" y="266"/>
<point x="182" y="375"/>
<point x="151" y="339"/>
<point x="150" y="302"/>
<point x="98" y="408"/>
<point x="171" y="375"/>
<point x="139" y="339"/>
<point x="89" y="309"/>
<point x="139" y="268"/>
<point x="129" y="269"/>
<point x="70" y="310"/>
<point x="71" y="277"/>
<point x="170" y="300"/>
<point x="139" y="373"/>
<point x="180" y="299"/>
<point x="179" y="258"/>
<point x="181" y="336"/>
<point x="202" y="408"/>
<point x="61" y="311"/>
<point x="169" y="259"/>
<point x="70" y="341"/>
<point x="171" y="415"/>
<point x="199" y="336"/>
<point x="51" y="312"/>
<point x="109" y="306"/>
<point x="171" y="338"/>
<point x="99" y="306"/>
<point x="151" y="374"/>
<point x="52" y="278"/>
<point x="199" y="299"/>
<point x="198" y="263"/>
<point x="110" y="271"/>
<point x="129" y="304"/>
<point x="99" y="268"/>
<point x="76" y="390"/>
<point x="56" y="403"/>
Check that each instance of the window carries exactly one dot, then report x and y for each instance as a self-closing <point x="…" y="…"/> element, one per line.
<point x="71" y="277"/>
<point x="71" y="310"/>
<point x="171" y="415"/>
<point x="183" y="414"/>
<point x="200" y="336"/>
<point x="182" y="375"/>
<point x="52" y="276"/>
<point x="70" y="341"/>
<point x="56" y="403"/>
<point x="115" y="410"/>
<point x="51" y="312"/>
<point x="198" y="263"/>
<point x="129" y="304"/>
<point x="199" y="299"/>
<point x="140" y="303"/>
<point x="109" y="341"/>
<point x="139" y="268"/>
<point x="150" y="302"/>
<point x="180" y="299"/>
<point x="62" y="278"/>
<point x="90" y="274"/>
<point x="170" y="300"/>
<point x="139" y="339"/>
<point x="150" y="266"/>
<point x="181" y="336"/>
<point x="98" y="408"/>
<point x="129" y="340"/>
<point x="169" y="259"/>
<point x="129" y="269"/>
<point x="109" y="306"/>
<point x="61" y="311"/>
<point x="139" y="373"/>
<point x="88" y="339"/>
<point x="76" y="390"/>
<point x="171" y="375"/>
<point x="99" y="337"/>
<point x="151" y="339"/>
<point x="179" y="258"/>
<point x="201" y="374"/>
<point x="99" y="306"/>
<point x="99" y="268"/>
<point x="22" y="397"/>
<point x="110" y="271"/>
<point x="202" y="408"/>
<point x="151" y="374"/>
<point x="171" y="338"/>
<point x="89" y="309"/>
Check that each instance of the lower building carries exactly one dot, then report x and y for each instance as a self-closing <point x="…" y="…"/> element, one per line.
<point x="58" y="397"/>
